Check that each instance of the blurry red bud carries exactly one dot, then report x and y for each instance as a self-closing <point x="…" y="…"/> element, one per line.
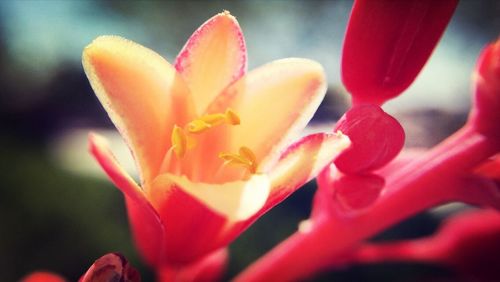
<point x="470" y="243"/>
<point x="355" y="193"/>
<point x="111" y="267"/>
<point x="388" y="42"/>
<point x="485" y="114"/>
<point x="376" y="138"/>
<point x="42" y="276"/>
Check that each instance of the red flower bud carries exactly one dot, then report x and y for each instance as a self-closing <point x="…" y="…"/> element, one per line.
<point x="356" y="193"/>
<point x="388" y="42"/>
<point x="111" y="267"/>
<point x="376" y="138"/>
<point x="485" y="114"/>
<point x="43" y="276"/>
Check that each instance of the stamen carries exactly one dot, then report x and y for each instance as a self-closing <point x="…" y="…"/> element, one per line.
<point x="206" y="122"/>
<point x="245" y="158"/>
<point x="234" y="159"/>
<point x="179" y="141"/>
<point x="231" y="117"/>
<point x="182" y="139"/>
<point x="198" y="126"/>
<point x="246" y="153"/>
<point x="214" y="119"/>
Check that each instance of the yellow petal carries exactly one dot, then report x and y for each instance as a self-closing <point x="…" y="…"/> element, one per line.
<point x="213" y="57"/>
<point x="142" y="93"/>
<point x="236" y="200"/>
<point x="274" y="103"/>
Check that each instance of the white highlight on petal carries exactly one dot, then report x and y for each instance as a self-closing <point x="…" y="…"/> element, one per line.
<point x="305" y="226"/>
<point x="237" y="200"/>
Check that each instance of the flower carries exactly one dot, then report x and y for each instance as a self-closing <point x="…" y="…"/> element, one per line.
<point x="210" y="141"/>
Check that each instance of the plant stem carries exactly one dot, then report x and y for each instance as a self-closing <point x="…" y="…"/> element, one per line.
<point x="426" y="182"/>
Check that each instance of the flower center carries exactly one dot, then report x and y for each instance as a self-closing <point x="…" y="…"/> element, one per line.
<point x="183" y="139"/>
<point x="245" y="157"/>
<point x="208" y="121"/>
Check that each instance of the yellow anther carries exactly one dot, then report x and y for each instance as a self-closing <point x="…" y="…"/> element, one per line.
<point x="198" y="126"/>
<point x="214" y="119"/>
<point x="245" y="158"/>
<point x="206" y="122"/>
<point x="234" y="159"/>
<point x="246" y="153"/>
<point x="179" y="141"/>
<point x="182" y="139"/>
<point x="231" y="117"/>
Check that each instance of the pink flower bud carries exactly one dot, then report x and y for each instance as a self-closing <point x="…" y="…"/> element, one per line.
<point x="43" y="276"/>
<point x="111" y="267"/>
<point x="376" y="138"/>
<point x="486" y="112"/>
<point x="356" y="193"/>
<point x="388" y="42"/>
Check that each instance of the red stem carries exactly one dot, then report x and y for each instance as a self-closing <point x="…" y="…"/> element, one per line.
<point x="417" y="250"/>
<point x="424" y="183"/>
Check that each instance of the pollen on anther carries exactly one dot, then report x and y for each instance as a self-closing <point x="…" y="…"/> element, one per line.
<point x="245" y="158"/>
<point x="232" y="117"/>
<point x="246" y="153"/>
<point x="179" y="141"/>
<point x="198" y="126"/>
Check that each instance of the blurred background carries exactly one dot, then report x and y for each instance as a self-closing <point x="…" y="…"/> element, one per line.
<point x="59" y="212"/>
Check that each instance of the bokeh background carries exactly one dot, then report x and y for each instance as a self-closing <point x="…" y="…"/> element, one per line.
<point x="57" y="210"/>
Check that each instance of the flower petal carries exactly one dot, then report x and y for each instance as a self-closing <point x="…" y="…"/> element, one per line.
<point x="209" y="268"/>
<point x="299" y="164"/>
<point x="198" y="215"/>
<point x="146" y="225"/>
<point x="213" y="57"/>
<point x="298" y="85"/>
<point x="235" y="201"/>
<point x="142" y="93"/>
<point x="302" y="162"/>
